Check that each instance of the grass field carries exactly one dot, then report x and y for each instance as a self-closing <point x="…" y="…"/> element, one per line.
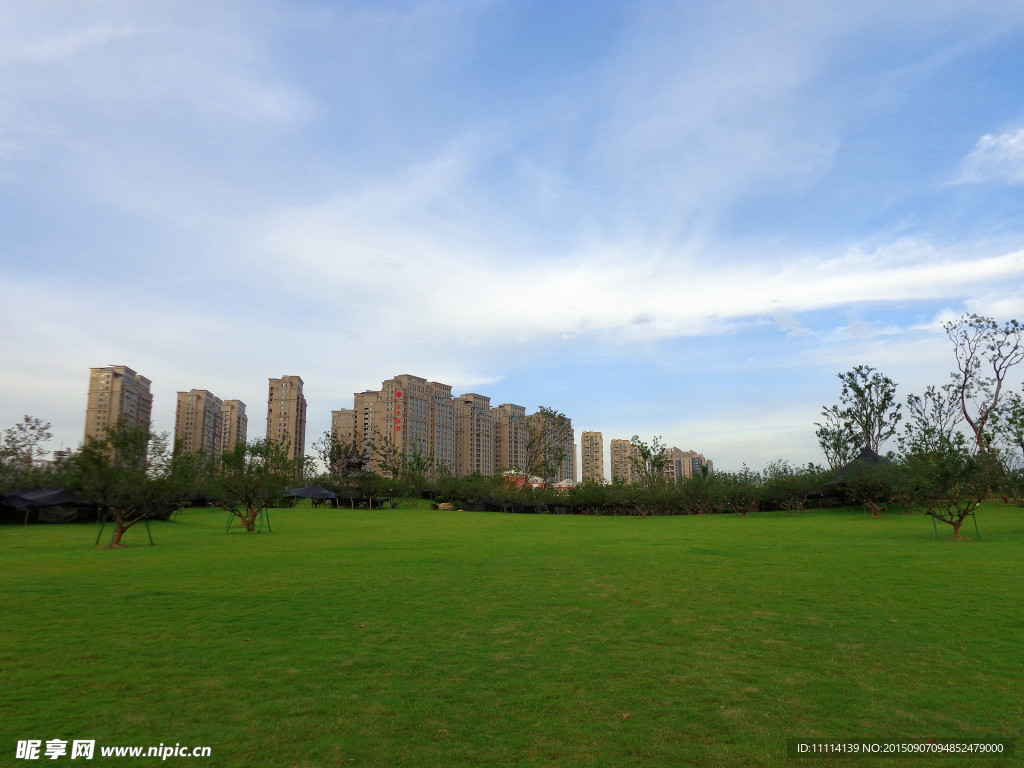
<point x="428" y="638"/>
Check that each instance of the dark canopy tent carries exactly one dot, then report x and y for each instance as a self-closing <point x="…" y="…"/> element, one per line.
<point x="353" y="499"/>
<point x="51" y="505"/>
<point x="311" y="492"/>
<point x="865" y="460"/>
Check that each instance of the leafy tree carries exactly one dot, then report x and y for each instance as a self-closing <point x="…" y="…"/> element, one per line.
<point x="195" y="470"/>
<point x="131" y="472"/>
<point x="587" y="497"/>
<point x="648" y="461"/>
<point x="252" y="476"/>
<point x="869" y="406"/>
<point x="704" y="494"/>
<point x="21" y="449"/>
<point x="548" y="438"/>
<point x="1008" y="425"/>
<point x="334" y="452"/>
<point x="789" y="487"/>
<point x="417" y="468"/>
<point x="388" y="459"/>
<point x="985" y="353"/>
<point x="950" y="480"/>
<point x="932" y="419"/>
<point x="837" y="438"/>
<point x="741" y="491"/>
<point x="875" y="486"/>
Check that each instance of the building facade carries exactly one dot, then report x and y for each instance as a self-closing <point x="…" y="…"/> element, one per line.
<point x="343" y="425"/>
<point x="508" y="422"/>
<point x="474" y="435"/>
<point x="681" y="465"/>
<point x="592" y="457"/>
<point x="286" y="414"/>
<point x="235" y="425"/>
<point x="199" y="422"/>
<point x="407" y="417"/>
<point x="116" y="393"/>
<point x="411" y="417"/>
<point x="623" y="452"/>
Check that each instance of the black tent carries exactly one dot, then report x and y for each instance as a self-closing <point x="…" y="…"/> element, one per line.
<point x="51" y="505"/>
<point x="311" y="492"/>
<point x="865" y="460"/>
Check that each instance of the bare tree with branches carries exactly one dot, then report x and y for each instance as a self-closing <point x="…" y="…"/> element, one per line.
<point x="985" y="352"/>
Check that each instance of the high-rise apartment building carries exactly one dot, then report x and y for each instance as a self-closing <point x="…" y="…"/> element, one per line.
<point x="474" y="435"/>
<point x="592" y="457"/>
<point x="343" y="425"/>
<point x="286" y="414"/>
<point x="409" y="416"/>
<point x="235" y="425"/>
<point x="623" y="452"/>
<point x="510" y="436"/>
<point x="419" y="418"/>
<point x="116" y="393"/>
<point x="367" y="415"/>
<point x="680" y="465"/>
<point x="567" y="468"/>
<point x="198" y="422"/>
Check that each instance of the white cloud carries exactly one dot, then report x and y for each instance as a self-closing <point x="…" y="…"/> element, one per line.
<point x="387" y="249"/>
<point x="995" y="159"/>
<point x="349" y="191"/>
<point x="65" y="45"/>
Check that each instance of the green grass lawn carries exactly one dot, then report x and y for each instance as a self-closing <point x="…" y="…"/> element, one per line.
<point x="417" y="637"/>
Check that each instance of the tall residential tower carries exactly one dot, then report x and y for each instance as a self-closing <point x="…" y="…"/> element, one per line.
<point x="286" y="414"/>
<point x="592" y="457"/>
<point x="235" y="424"/>
<point x="198" y="422"/>
<point x="116" y="393"/>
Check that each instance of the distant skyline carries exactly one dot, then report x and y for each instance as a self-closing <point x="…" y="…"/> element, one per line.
<point x="675" y="219"/>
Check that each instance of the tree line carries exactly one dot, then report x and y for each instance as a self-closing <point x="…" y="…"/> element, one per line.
<point x="955" y="445"/>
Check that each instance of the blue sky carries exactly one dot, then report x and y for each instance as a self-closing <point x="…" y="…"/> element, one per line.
<point x="661" y="218"/>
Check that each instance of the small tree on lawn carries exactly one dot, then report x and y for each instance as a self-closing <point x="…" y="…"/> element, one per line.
<point x="874" y="485"/>
<point x="789" y="487"/>
<point x="951" y="480"/>
<point x="130" y="472"/>
<point x="741" y="491"/>
<point x="704" y="494"/>
<point x="252" y="476"/>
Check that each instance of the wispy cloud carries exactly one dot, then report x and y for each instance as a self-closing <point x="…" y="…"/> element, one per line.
<point x="67" y="45"/>
<point x="495" y="194"/>
<point x="995" y="159"/>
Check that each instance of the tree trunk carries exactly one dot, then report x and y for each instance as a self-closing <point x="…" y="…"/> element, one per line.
<point x="250" y="520"/>
<point x="119" y="529"/>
